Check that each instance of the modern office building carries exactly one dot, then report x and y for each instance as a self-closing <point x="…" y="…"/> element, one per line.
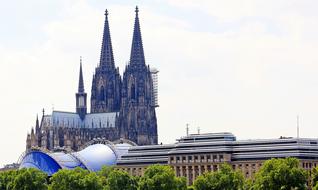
<point x="195" y="154"/>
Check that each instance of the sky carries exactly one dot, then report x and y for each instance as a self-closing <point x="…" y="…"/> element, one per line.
<point x="247" y="67"/>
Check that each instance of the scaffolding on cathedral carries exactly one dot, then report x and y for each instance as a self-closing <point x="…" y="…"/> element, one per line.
<point x="154" y="76"/>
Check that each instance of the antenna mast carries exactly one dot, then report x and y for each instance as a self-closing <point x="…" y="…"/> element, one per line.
<point x="298" y="126"/>
<point x="187" y="129"/>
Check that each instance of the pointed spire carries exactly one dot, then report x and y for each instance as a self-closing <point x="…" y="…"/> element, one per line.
<point x="37" y="124"/>
<point x="106" y="56"/>
<point x="137" y="51"/>
<point x="81" y="81"/>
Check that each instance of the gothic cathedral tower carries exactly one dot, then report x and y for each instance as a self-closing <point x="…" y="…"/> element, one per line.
<point x="106" y="85"/>
<point x="137" y="116"/>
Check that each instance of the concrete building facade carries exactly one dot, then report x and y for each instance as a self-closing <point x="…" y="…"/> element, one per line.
<point x="195" y="154"/>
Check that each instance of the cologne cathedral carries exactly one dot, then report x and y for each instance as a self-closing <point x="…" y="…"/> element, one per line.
<point x="122" y="108"/>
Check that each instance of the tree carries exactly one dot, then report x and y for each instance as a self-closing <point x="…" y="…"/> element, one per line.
<point x="104" y="173"/>
<point x="315" y="178"/>
<point x="225" y="178"/>
<point x="119" y="180"/>
<point x="28" y="179"/>
<point x="279" y="174"/>
<point x="6" y="179"/>
<point x="159" y="177"/>
<point x="77" y="179"/>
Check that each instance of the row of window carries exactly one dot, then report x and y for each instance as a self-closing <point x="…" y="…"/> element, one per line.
<point x="215" y="158"/>
<point x="308" y="165"/>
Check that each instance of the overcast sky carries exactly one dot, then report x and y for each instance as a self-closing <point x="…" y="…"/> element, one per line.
<point x="248" y="67"/>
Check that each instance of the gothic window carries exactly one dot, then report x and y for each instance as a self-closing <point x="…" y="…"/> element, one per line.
<point x="102" y="93"/>
<point x="133" y="92"/>
<point x="110" y="93"/>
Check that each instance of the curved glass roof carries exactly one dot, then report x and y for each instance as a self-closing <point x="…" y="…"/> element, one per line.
<point x="93" y="158"/>
<point x="41" y="161"/>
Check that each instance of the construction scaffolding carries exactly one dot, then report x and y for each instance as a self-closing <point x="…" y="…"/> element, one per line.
<point x="154" y="75"/>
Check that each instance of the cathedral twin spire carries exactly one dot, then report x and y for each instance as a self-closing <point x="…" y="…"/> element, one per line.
<point x="107" y="83"/>
<point x="137" y="52"/>
<point x="106" y="55"/>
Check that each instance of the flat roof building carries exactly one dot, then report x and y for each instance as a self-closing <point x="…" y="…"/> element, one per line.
<point x="195" y="154"/>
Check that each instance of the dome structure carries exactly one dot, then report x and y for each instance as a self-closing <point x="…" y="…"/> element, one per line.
<point x="92" y="158"/>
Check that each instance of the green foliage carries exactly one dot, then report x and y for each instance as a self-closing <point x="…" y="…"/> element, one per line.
<point x="6" y="179"/>
<point x="275" y="174"/>
<point x="119" y="180"/>
<point x="181" y="183"/>
<point x="280" y="174"/>
<point x="225" y="179"/>
<point x="104" y="173"/>
<point x="77" y="179"/>
<point x="30" y="179"/>
<point x="26" y="179"/>
<point x="315" y="178"/>
<point x="248" y="184"/>
<point x="159" y="177"/>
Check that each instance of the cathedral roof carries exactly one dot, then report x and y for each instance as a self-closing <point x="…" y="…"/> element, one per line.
<point x="73" y="120"/>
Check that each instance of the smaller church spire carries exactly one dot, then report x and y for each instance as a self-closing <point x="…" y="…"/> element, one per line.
<point x="37" y="124"/>
<point x="81" y="81"/>
<point x="81" y="95"/>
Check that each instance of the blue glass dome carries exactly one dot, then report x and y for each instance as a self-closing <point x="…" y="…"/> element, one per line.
<point x="41" y="161"/>
<point x="93" y="158"/>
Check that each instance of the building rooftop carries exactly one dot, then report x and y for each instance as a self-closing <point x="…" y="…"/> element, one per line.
<point x="223" y="143"/>
<point x="73" y="120"/>
<point x="91" y="158"/>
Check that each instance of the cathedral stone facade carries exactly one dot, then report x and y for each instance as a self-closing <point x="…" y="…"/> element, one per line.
<point x="122" y="108"/>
